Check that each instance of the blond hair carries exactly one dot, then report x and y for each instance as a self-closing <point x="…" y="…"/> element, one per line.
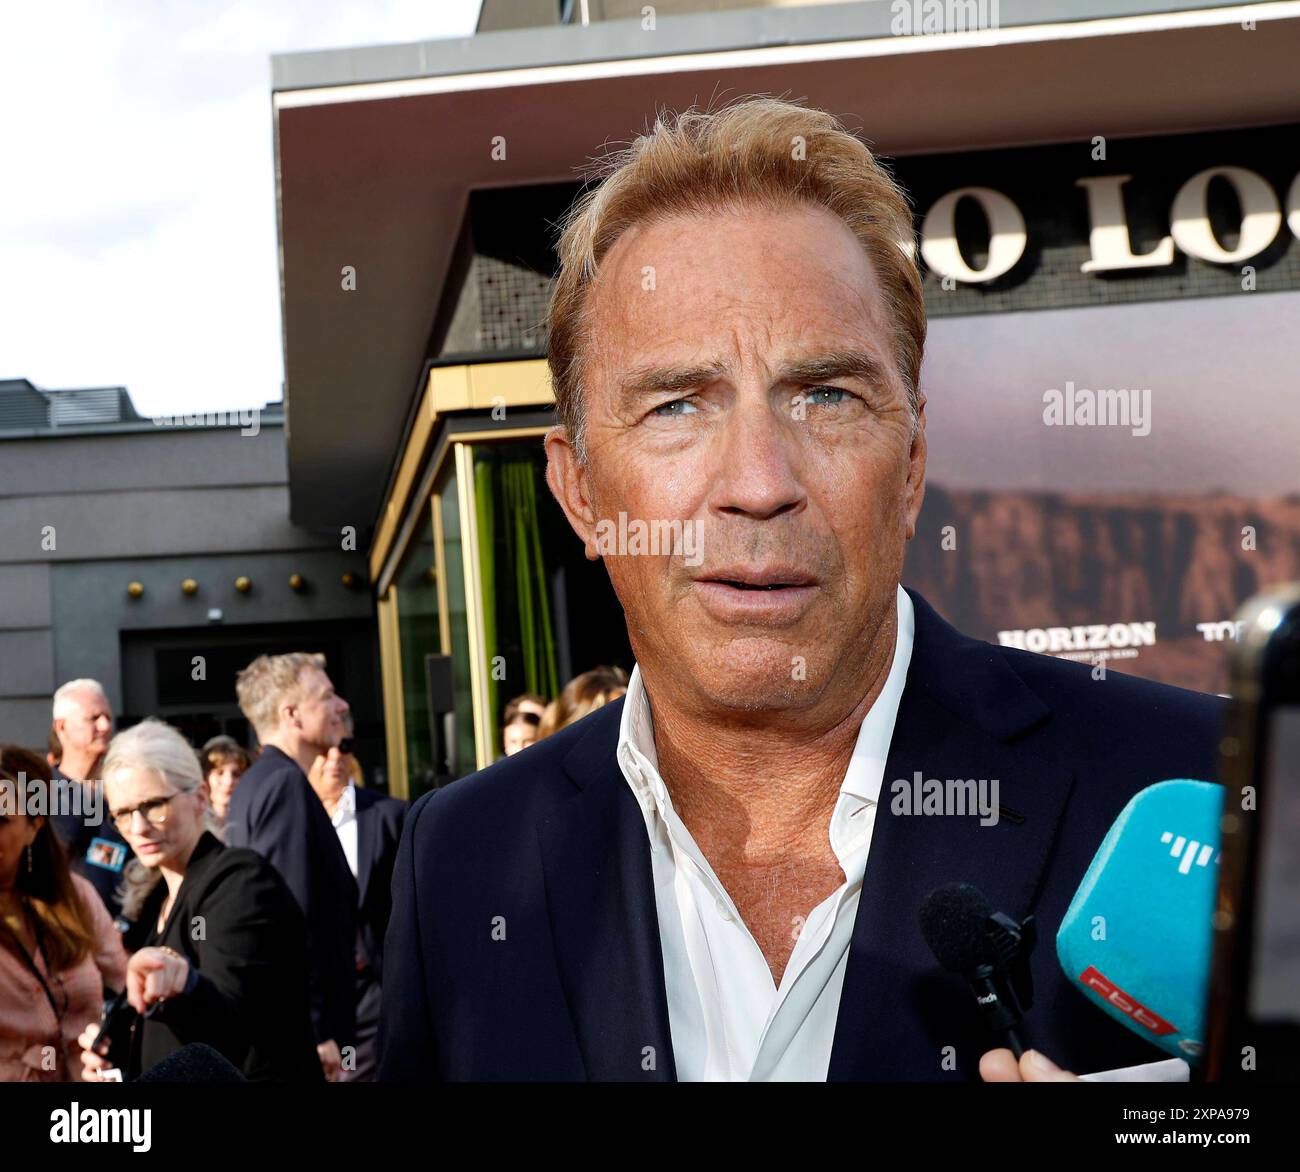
<point x="760" y="151"/>
<point x="581" y="696"/>
<point x="268" y="683"/>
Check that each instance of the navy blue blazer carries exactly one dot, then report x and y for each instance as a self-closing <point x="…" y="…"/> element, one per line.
<point x="379" y="831"/>
<point x="524" y="941"/>
<point x="275" y="812"/>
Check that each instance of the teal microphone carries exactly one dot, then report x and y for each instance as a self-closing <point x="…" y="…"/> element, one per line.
<point x="1136" y="940"/>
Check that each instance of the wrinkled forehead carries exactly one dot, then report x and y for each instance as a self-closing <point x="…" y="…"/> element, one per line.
<point x="786" y="278"/>
<point x="89" y="703"/>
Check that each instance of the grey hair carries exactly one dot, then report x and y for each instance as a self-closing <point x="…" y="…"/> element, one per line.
<point x="63" y="698"/>
<point x="160" y="749"/>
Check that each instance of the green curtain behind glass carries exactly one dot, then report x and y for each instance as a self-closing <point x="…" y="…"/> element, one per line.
<point x="524" y="540"/>
<point x="506" y="489"/>
<point x="485" y="509"/>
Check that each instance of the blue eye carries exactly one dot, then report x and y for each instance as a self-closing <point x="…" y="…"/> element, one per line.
<point x="814" y="393"/>
<point x="675" y="407"/>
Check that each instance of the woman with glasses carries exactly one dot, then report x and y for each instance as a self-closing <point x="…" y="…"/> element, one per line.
<point x="59" y="950"/>
<point x="223" y="955"/>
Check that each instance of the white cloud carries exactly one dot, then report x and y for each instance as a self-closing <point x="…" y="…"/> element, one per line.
<point x="137" y="216"/>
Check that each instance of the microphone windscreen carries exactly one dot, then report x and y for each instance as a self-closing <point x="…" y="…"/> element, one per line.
<point x="193" y="1063"/>
<point x="1137" y="937"/>
<point x="952" y="921"/>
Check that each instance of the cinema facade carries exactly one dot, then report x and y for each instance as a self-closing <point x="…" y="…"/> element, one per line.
<point x="1107" y="212"/>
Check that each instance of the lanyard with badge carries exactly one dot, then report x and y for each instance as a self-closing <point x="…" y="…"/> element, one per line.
<point x="36" y="971"/>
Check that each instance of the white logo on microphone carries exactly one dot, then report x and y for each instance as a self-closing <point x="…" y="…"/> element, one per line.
<point x="1192" y="852"/>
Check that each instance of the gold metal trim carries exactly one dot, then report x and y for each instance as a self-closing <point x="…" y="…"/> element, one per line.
<point x="464" y="455"/>
<point x="440" y="562"/>
<point x="390" y="675"/>
<point x="455" y="388"/>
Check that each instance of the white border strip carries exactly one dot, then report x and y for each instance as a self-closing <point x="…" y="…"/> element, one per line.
<point x="782" y="55"/>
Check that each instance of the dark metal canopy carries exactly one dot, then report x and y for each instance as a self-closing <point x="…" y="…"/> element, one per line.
<point x="378" y="148"/>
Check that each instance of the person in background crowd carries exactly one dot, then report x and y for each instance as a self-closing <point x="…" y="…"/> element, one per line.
<point x="519" y="726"/>
<point x="369" y="827"/>
<point x="583" y="694"/>
<point x="54" y="753"/>
<point x="527" y="702"/>
<point x="349" y="756"/>
<point x="83" y="726"/>
<point x="240" y="985"/>
<point x="224" y="762"/>
<point x="290" y="702"/>
<point x="58" y="946"/>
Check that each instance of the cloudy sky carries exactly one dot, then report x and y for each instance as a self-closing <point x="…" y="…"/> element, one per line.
<point x="137" y="208"/>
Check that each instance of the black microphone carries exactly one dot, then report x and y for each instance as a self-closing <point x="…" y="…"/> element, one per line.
<point x="193" y="1063"/>
<point x="988" y="950"/>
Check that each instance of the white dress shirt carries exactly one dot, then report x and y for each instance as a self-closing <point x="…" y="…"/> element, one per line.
<point x="345" y="824"/>
<point x="729" y="1020"/>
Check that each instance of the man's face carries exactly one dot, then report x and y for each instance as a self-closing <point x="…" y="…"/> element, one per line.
<point x="88" y="727"/>
<point x="320" y="711"/>
<point x="744" y="381"/>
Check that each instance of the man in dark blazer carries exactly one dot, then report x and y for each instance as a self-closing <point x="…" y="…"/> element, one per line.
<point x="551" y="844"/>
<point x="369" y="828"/>
<point x="379" y="832"/>
<point x="713" y="878"/>
<point x="292" y="705"/>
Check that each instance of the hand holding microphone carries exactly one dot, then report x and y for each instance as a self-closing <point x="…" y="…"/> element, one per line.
<point x="1135" y="940"/>
<point x="990" y="951"/>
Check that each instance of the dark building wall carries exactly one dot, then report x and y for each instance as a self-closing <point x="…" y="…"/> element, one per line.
<point x="154" y="505"/>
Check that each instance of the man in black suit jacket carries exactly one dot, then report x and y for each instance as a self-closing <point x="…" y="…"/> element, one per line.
<point x="291" y="703"/>
<point x="714" y="878"/>
<point x="551" y="844"/>
<point x="379" y="833"/>
<point x="369" y="828"/>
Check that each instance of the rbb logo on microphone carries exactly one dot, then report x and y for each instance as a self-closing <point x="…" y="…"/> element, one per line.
<point x="1090" y="978"/>
<point x="1137" y="937"/>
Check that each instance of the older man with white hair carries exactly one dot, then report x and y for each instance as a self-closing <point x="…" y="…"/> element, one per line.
<point x="83" y="722"/>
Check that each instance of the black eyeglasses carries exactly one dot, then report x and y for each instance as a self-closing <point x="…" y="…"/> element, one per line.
<point x="154" y="811"/>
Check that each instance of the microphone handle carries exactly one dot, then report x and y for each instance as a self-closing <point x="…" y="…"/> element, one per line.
<point x="994" y="995"/>
<point x="1013" y="1040"/>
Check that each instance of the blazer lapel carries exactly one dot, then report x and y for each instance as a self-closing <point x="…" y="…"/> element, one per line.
<point x="367" y="825"/>
<point x="600" y="894"/>
<point x="959" y="712"/>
